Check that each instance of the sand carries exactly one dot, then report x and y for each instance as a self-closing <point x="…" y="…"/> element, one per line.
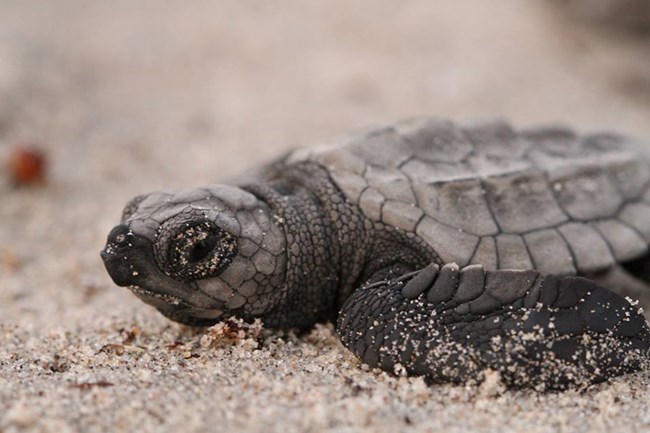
<point x="127" y="98"/>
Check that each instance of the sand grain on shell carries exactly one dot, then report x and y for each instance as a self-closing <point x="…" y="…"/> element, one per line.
<point x="126" y="99"/>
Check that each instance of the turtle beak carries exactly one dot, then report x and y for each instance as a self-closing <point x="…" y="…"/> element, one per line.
<point x="123" y="257"/>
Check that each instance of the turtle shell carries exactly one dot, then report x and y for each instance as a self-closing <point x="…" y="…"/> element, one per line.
<point x="484" y="193"/>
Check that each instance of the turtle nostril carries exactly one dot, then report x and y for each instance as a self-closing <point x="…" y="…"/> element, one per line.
<point x="119" y="235"/>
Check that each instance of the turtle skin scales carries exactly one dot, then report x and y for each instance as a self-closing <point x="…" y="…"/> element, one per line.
<point x="440" y="249"/>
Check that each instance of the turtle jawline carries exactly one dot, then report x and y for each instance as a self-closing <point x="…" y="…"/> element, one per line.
<point x="180" y="310"/>
<point x="169" y="299"/>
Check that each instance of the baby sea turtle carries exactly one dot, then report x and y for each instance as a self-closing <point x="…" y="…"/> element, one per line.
<point x="440" y="249"/>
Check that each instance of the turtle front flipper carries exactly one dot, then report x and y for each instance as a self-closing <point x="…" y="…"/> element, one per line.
<point x="451" y="325"/>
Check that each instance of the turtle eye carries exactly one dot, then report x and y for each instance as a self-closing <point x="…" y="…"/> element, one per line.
<point x="201" y="249"/>
<point x="198" y="251"/>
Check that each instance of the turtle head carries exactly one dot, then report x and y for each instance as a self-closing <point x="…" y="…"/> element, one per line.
<point x="199" y="256"/>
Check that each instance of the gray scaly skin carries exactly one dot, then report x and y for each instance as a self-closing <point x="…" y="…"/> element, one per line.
<point x="440" y="250"/>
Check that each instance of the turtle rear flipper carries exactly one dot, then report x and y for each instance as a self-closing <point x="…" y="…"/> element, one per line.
<point x="451" y="325"/>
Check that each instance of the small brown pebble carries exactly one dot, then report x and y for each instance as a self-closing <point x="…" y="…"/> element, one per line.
<point x="129" y="335"/>
<point x="174" y="345"/>
<point x="27" y="166"/>
<point x="117" y="349"/>
<point x="9" y="259"/>
<point x="90" y="290"/>
<point x="120" y="349"/>
<point x="58" y="364"/>
<point x="89" y="385"/>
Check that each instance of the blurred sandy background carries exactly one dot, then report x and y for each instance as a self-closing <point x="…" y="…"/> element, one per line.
<point x="127" y="97"/>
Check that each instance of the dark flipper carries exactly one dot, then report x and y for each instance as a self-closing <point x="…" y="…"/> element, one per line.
<point x="536" y="331"/>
